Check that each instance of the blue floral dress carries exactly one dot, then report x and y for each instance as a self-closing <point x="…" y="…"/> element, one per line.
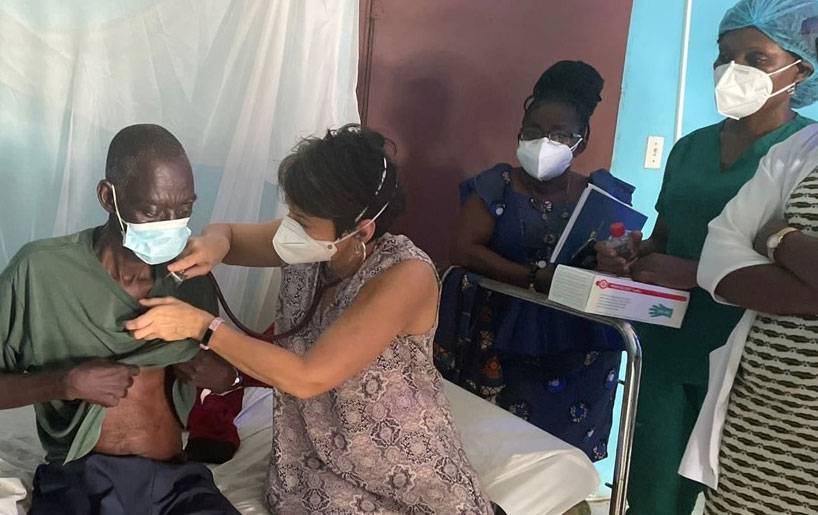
<point x="557" y="371"/>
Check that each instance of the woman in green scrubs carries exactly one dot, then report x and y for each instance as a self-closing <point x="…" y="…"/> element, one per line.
<point x="704" y="171"/>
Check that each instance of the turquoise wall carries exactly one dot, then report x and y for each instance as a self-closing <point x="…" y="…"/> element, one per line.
<point x="649" y="92"/>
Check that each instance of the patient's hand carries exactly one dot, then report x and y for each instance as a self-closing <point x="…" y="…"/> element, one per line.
<point x="207" y="370"/>
<point x="100" y="381"/>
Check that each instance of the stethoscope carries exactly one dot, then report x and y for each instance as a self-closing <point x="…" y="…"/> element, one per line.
<point x="179" y="278"/>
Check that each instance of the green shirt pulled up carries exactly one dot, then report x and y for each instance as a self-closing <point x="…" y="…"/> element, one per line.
<point x="58" y="304"/>
<point x="694" y="192"/>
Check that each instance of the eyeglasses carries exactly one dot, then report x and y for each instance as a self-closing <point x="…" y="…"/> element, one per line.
<point x="566" y="138"/>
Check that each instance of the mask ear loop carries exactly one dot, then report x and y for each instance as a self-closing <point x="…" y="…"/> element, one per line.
<point x="116" y="208"/>
<point x="364" y="210"/>
<point x="356" y="231"/>
<point x="791" y="88"/>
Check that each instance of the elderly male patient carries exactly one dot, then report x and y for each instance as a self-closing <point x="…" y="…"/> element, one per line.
<point x="110" y="409"/>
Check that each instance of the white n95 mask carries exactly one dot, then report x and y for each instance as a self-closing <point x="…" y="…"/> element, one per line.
<point x="544" y="159"/>
<point x="742" y="90"/>
<point x="153" y="242"/>
<point x="294" y="246"/>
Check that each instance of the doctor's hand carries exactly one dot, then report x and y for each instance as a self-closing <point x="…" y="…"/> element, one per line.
<point x="664" y="270"/>
<point x="169" y="319"/>
<point x="201" y="255"/>
<point x="99" y="381"/>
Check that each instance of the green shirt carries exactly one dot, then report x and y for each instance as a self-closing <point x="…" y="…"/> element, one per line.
<point x="59" y="304"/>
<point x="694" y="192"/>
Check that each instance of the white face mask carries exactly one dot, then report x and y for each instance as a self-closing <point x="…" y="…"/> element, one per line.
<point x="544" y="159"/>
<point x="743" y="90"/>
<point x="294" y="246"/>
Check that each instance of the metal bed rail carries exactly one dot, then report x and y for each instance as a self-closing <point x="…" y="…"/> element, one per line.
<point x="633" y="373"/>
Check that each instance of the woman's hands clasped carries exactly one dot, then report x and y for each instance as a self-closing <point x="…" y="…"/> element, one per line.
<point x="610" y="262"/>
<point x="648" y="267"/>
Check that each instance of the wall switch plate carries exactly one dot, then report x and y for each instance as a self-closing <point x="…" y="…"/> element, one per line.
<point x="653" y="153"/>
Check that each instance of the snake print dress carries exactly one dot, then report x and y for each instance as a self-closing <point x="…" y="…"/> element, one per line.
<point x="384" y="441"/>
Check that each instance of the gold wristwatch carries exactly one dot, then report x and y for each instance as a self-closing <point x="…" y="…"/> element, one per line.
<point x="774" y="241"/>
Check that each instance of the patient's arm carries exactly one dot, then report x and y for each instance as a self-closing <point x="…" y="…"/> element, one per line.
<point x="18" y="390"/>
<point x="207" y="370"/>
<point x="96" y="381"/>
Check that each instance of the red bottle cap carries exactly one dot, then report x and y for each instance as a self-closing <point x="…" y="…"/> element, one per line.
<point x="617" y="230"/>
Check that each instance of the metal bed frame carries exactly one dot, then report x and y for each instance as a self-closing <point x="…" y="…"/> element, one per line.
<point x="633" y="373"/>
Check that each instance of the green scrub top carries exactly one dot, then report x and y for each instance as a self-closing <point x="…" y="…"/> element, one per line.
<point x="59" y="304"/>
<point x="694" y="192"/>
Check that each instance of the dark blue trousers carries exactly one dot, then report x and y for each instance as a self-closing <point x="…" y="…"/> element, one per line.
<point x="126" y="485"/>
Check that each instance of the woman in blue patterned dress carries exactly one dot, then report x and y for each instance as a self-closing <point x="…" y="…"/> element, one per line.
<point x="557" y="371"/>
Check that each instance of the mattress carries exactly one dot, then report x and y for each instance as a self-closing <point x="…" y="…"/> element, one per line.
<point x="523" y="469"/>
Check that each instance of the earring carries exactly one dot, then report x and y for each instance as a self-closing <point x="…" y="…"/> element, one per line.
<point x="363" y="249"/>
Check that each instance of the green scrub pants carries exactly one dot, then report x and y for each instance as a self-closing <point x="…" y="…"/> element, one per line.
<point x="665" y="418"/>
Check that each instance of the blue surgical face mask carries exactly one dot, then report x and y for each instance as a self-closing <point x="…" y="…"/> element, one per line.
<point x="154" y="242"/>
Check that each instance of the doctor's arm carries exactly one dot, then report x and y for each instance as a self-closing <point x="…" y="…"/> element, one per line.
<point x="734" y="272"/>
<point x="233" y="244"/>
<point x="384" y="308"/>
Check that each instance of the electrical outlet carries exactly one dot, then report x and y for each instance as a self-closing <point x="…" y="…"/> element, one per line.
<point x="653" y="153"/>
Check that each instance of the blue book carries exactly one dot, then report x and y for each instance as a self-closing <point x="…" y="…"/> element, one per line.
<point x="591" y="222"/>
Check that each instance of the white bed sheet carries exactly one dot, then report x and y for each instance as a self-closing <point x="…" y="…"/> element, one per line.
<point x="523" y="469"/>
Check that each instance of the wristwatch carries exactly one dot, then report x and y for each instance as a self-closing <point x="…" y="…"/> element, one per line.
<point x="774" y="241"/>
<point x="205" y="343"/>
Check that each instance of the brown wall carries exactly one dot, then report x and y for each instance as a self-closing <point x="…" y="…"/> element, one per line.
<point x="447" y="79"/>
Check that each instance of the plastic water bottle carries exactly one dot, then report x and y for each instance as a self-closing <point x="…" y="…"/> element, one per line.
<point x="621" y="242"/>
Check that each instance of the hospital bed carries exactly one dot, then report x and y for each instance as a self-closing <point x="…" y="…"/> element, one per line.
<point x="524" y="470"/>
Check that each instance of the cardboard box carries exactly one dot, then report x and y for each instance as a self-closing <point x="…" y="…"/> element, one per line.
<point x="601" y="294"/>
